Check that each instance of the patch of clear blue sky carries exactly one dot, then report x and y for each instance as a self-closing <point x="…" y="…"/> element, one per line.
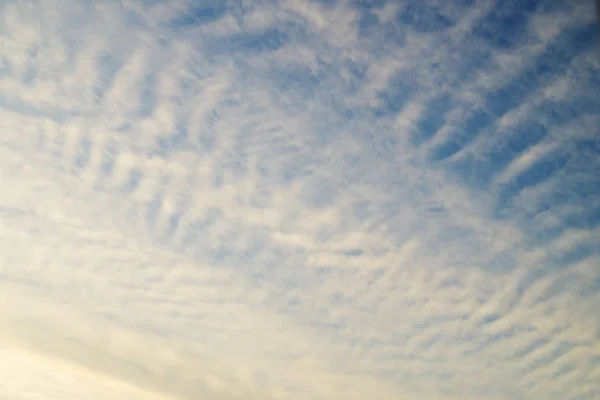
<point x="133" y="180"/>
<point x="202" y="12"/>
<point x="506" y="26"/>
<point x="432" y="120"/>
<point x="478" y="169"/>
<point x="501" y="30"/>
<point x="107" y="68"/>
<point x="82" y="155"/>
<point x="550" y="64"/>
<point x="108" y="159"/>
<point x="5" y="69"/>
<point x="507" y="145"/>
<point x="553" y="62"/>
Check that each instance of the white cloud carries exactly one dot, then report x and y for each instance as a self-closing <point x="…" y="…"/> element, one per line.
<point x="275" y="202"/>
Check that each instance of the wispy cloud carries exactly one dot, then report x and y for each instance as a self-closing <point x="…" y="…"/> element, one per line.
<point x="299" y="200"/>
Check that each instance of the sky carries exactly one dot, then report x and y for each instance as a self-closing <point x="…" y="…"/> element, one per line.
<point x="299" y="200"/>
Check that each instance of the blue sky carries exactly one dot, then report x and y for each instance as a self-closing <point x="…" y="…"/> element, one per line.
<point x="299" y="200"/>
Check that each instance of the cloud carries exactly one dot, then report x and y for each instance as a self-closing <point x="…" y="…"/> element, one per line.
<point x="299" y="200"/>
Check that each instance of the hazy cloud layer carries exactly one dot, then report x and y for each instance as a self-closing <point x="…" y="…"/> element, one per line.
<point x="299" y="200"/>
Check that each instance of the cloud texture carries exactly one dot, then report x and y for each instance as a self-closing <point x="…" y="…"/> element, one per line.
<point x="299" y="200"/>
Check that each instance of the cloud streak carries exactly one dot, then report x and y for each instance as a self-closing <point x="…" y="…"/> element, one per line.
<point x="300" y="200"/>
